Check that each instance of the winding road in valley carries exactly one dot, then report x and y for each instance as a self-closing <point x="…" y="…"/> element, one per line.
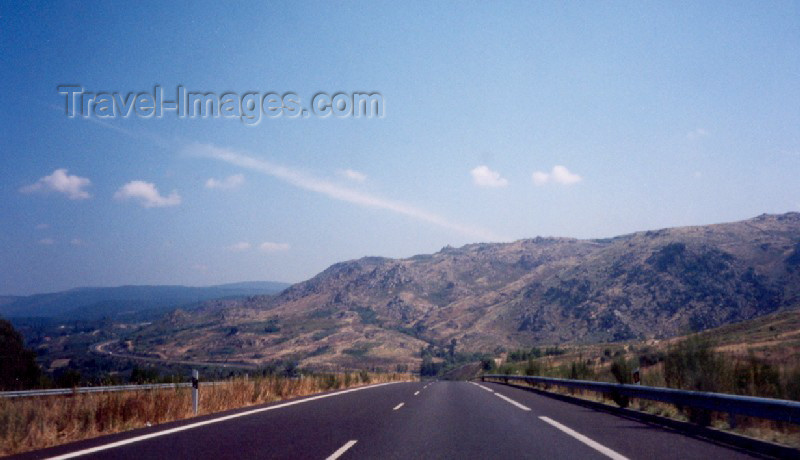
<point x="100" y="348"/>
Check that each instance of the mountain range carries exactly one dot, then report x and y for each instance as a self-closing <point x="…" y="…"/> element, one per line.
<point x="379" y="311"/>
<point x="125" y="302"/>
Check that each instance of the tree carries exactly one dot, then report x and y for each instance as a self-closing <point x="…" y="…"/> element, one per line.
<point x="68" y="378"/>
<point x="18" y="368"/>
<point x="143" y="375"/>
<point x="452" y="349"/>
<point x="428" y="368"/>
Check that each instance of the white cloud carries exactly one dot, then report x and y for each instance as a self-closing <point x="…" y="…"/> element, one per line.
<point x="540" y="178"/>
<point x="60" y="182"/>
<point x="482" y="176"/>
<point x="335" y="191"/>
<point x="268" y="246"/>
<point x="200" y="267"/>
<point x="240" y="246"/>
<point x="698" y="175"/>
<point x="47" y="241"/>
<point x="147" y="195"/>
<point x="77" y="242"/>
<point x="353" y="175"/>
<point x="696" y="134"/>
<point x="228" y="183"/>
<point x="42" y="226"/>
<point x="559" y="175"/>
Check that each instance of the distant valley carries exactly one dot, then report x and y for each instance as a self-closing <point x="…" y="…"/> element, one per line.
<point x="125" y="302"/>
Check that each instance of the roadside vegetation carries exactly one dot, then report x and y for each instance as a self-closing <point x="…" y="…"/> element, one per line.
<point x="34" y="423"/>
<point x="735" y="360"/>
<point x="446" y="362"/>
<point x="18" y="368"/>
<point x="692" y="364"/>
<point x="37" y="422"/>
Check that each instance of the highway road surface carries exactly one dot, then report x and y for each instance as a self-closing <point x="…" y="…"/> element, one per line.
<point x="441" y="420"/>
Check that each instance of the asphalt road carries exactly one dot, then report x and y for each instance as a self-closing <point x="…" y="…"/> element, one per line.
<point x="100" y="348"/>
<point x="404" y="420"/>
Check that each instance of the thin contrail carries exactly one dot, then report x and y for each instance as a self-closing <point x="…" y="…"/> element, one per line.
<point x="332" y="190"/>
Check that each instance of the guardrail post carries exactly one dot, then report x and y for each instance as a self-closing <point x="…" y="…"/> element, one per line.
<point x="195" y="387"/>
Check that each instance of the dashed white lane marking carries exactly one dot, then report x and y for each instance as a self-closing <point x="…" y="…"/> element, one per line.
<point x="588" y="441"/>
<point x="482" y="387"/>
<point x="416" y="393"/>
<point x="506" y="398"/>
<point x="398" y="406"/>
<point x="207" y="422"/>
<point x="342" y="450"/>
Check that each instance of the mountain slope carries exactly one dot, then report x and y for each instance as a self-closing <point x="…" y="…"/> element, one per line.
<point x="545" y="290"/>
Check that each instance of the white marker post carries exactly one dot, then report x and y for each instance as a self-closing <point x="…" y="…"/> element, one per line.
<point x="195" y="386"/>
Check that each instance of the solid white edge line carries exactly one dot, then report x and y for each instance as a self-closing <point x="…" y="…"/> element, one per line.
<point x="398" y="406"/>
<point x="506" y="398"/>
<point x="584" y="439"/>
<point x="342" y="450"/>
<point x="206" y="422"/>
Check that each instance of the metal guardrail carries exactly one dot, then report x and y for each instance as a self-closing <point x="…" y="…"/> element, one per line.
<point x="767" y="408"/>
<point x="101" y="389"/>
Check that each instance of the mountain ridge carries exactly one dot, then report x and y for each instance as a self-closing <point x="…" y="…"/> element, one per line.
<point x="644" y="285"/>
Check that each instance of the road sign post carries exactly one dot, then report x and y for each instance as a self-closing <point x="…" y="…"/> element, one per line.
<point x="195" y="387"/>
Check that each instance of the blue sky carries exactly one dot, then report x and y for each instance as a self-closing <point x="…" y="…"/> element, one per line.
<point x="501" y="122"/>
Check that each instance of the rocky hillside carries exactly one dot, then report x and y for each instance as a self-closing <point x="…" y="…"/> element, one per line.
<point x="651" y="284"/>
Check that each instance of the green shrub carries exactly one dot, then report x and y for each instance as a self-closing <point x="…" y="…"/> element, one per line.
<point x="755" y="376"/>
<point x="792" y="387"/>
<point x="622" y="370"/>
<point x="693" y="365"/>
<point x="580" y="370"/>
<point x="533" y="367"/>
<point x="330" y="382"/>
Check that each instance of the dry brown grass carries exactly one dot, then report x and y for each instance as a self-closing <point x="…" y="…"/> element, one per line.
<point x="35" y="423"/>
<point x="782" y="433"/>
